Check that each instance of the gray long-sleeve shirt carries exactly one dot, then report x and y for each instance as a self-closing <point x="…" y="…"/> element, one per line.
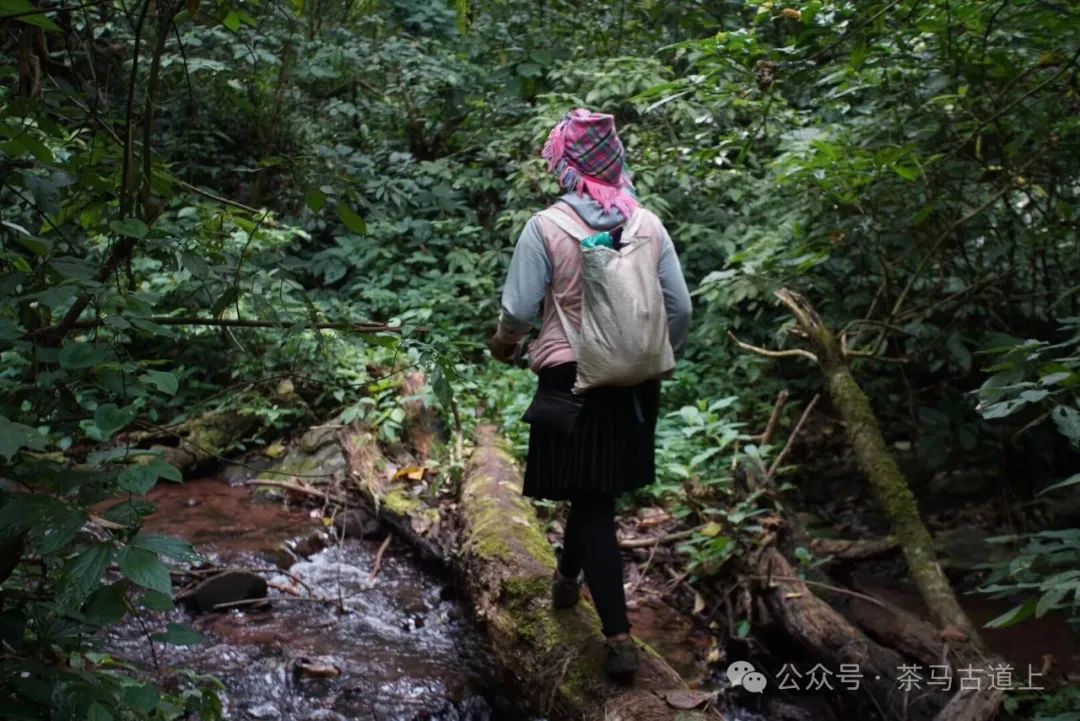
<point x="530" y="276"/>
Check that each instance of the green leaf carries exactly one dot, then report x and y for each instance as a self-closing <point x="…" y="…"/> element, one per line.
<point x="1014" y="616"/>
<point x="529" y="70"/>
<point x="142" y="698"/>
<point x="166" y="546"/>
<point x="227" y="298"/>
<point x="109" y="419"/>
<point x="1050" y="600"/>
<point x="107" y="605"/>
<point x="131" y="227"/>
<point x="143" y="568"/>
<point x="20" y="8"/>
<point x="14" y="436"/>
<point x="82" y="574"/>
<point x="232" y="21"/>
<point x="351" y="220"/>
<point x="164" y="382"/>
<point x="1070" y="481"/>
<point x="97" y="712"/>
<point x="77" y="356"/>
<point x="156" y="601"/>
<point x="34" y="245"/>
<point x="315" y="200"/>
<point x="140" y="478"/>
<point x="129" y="512"/>
<point x="178" y="634"/>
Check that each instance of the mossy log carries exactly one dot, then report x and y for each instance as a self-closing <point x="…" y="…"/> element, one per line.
<point x="199" y="440"/>
<point x="554" y="656"/>
<point x="332" y="459"/>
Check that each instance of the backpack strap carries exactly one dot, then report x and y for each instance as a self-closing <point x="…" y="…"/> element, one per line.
<point x="562" y="220"/>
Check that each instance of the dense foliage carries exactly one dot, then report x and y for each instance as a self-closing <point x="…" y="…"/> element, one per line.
<point x="264" y="207"/>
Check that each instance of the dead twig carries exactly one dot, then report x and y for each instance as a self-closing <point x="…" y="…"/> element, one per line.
<point x="791" y="439"/>
<point x="774" y="418"/>
<point x="657" y="540"/>
<point x="826" y="586"/>
<point x="299" y="488"/>
<point x="791" y="353"/>
<point x="379" y="557"/>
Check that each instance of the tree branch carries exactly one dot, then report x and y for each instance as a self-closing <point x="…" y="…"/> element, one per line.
<point x="793" y="352"/>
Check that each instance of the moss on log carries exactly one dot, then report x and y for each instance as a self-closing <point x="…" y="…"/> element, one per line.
<point x="554" y="656"/>
<point x="201" y="439"/>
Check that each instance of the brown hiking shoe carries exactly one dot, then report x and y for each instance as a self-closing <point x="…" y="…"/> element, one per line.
<point x="565" y="592"/>
<point x="622" y="660"/>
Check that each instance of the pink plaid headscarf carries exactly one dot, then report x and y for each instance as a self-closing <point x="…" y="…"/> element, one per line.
<point x="585" y="154"/>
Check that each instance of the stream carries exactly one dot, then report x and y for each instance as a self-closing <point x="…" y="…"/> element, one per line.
<point x="405" y="648"/>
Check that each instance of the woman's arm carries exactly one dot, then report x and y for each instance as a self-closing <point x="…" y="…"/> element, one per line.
<point x="676" y="295"/>
<point x="526" y="285"/>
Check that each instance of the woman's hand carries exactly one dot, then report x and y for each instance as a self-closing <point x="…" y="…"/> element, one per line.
<point x="502" y="350"/>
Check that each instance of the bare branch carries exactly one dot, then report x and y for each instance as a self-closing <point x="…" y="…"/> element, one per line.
<point x="791" y="439"/>
<point x="793" y="352"/>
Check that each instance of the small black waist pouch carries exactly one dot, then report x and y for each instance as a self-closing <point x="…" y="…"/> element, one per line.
<point x="554" y="409"/>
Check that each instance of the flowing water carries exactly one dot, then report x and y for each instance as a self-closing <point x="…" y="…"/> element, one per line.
<point x="404" y="649"/>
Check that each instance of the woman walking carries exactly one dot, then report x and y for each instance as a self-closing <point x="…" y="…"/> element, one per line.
<point x="592" y="447"/>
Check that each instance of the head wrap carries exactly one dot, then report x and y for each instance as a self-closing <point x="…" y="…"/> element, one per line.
<point x="585" y="154"/>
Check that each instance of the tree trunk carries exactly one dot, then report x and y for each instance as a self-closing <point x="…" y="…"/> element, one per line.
<point x="894" y="494"/>
<point x="877" y="462"/>
<point x="554" y="656"/>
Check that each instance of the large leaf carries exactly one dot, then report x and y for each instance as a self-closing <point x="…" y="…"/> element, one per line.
<point x="144" y="568"/>
<point x="82" y="574"/>
<point x="1070" y="481"/>
<point x="164" y="382"/>
<point x="107" y="604"/>
<point x="166" y="546"/>
<point x="129" y="512"/>
<point x="26" y="12"/>
<point x="351" y="219"/>
<point x="141" y="477"/>
<point x="132" y="228"/>
<point x="14" y="436"/>
<point x="1014" y="616"/>
<point x="109" y="419"/>
<point x="77" y="356"/>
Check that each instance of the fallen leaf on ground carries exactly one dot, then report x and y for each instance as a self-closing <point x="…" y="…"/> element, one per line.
<point x="413" y="473"/>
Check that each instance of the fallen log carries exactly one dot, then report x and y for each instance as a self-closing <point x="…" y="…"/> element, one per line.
<point x="554" y="656"/>
<point x="829" y="637"/>
<point x="198" y="440"/>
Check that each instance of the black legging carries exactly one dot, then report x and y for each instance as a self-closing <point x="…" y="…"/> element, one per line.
<point x="590" y="545"/>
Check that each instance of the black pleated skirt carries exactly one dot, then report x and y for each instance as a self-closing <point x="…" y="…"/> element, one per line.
<point x="612" y="450"/>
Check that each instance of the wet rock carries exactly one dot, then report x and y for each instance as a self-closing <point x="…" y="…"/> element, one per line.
<point x="282" y="557"/>
<point x="316" y="668"/>
<point x="268" y="710"/>
<point x="226" y="587"/>
<point x="310" y="545"/>
<point x="324" y="714"/>
<point x="357" y="523"/>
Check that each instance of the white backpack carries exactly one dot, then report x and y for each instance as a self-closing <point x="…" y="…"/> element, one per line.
<point x="624" y="331"/>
